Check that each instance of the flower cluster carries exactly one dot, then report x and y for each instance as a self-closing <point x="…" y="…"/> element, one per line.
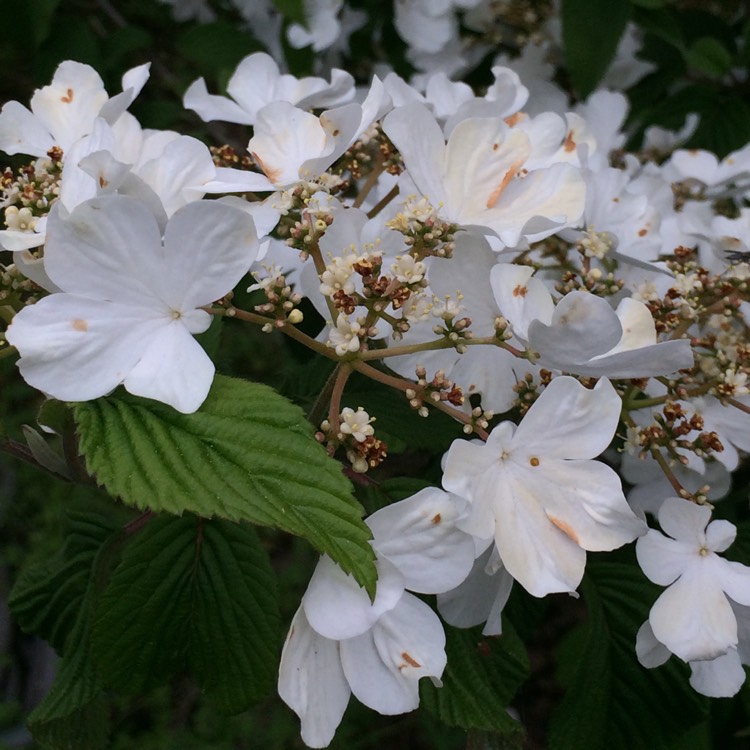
<point x="488" y="244"/>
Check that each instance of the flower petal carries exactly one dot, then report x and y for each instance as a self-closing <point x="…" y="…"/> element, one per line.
<point x="569" y="421"/>
<point x="650" y="652"/>
<point x="212" y="107"/>
<point x="417" y="135"/>
<point x="721" y="677"/>
<point x="419" y="536"/>
<point x="685" y="521"/>
<point x="77" y="349"/>
<point x="480" y="598"/>
<point x="312" y="682"/>
<point x="69" y="105"/>
<point x="337" y="607"/>
<point x="22" y="133"/>
<point x="662" y="559"/>
<point x="107" y="249"/>
<point x="208" y="247"/>
<point x="173" y="368"/>
<point x="540" y="554"/>
<point x="585" y="499"/>
<point x="693" y="617"/>
<point x="583" y="326"/>
<point x="383" y="666"/>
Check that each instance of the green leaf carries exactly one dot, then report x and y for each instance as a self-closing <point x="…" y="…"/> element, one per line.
<point x="591" y="31"/>
<point x="35" y="18"/>
<point x="481" y="678"/>
<point x="214" y="47"/>
<point x="123" y="43"/>
<point x="723" y="126"/>
<point x="195" y="593"/>
<point x="663" y="23"/>
<point x="55" y="415"/>
<point x="74" y="716"/>
<point x="650" y="4"/>
<point x="248" y="455"/>
<point x="235" y="595"/>
<point x="43" y="452"/>
<point x="744" y="53"/>
<point x="294" y="10"/>
<point x="708" y="55"/>
<point x="612" y="702"/>
<point x="48" y="596"/>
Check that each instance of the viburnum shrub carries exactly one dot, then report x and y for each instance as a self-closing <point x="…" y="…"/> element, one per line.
<point x="513" y="340"/>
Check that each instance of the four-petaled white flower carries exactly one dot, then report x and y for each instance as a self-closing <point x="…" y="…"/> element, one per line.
<point x="693" y="618"/>
<point x="341" y="643"/>
<point x="536" y="490"/>
<point x="129" y="302"/>
<point x="257" y="81"/>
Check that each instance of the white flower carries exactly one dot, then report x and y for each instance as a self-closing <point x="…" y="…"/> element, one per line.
<point x="408" y="270"/>
<point x="720" y="677"/>
<point x="582" y="333"/>
<point x="479" y="177"/>
<point x="341" y="643"/>
<point x="129" y="303"/>
<point x="66" y="110"/>
<point x="291" y="145"/>
<point x="536" y="491"/>
<point x="258" y="82"/>
<point x="356" y="423"/>
<point x="693" y="618"/>
<point x="343" y="337"/>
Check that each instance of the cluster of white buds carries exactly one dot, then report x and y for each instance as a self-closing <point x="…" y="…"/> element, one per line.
<point x="425" y="232"/>
<point x="281" y="301"/>
<point x="356" y="435"/>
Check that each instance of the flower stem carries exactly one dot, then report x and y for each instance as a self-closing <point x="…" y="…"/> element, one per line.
<point x="383" y="202"/>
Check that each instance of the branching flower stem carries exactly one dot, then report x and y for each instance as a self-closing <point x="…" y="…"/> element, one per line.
<point x="669" y="474"/>
<point x="342" y="373"/>
<point x="370" y="182"/>
<point x="320" y="266"/>
<point x="398" y="351"/>
<point x="403" y="385"/>
<point x="358" y="361"/>
<point x="383" y="202"/>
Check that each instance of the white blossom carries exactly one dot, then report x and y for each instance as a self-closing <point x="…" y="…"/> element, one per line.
<point x="129" y="302"/>
<point x="536" y="491"/>
<point x="693" y="617"/>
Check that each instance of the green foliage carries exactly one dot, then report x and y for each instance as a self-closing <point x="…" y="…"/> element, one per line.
<point x="294" y="10"/>
<point x="591" y="32"/>
<point x="708" y="55"/>
<point x="196" y="594"/>
<point x="73" y="715"/>
<point x="215" y="47"/>
<point x="490" y="667"/>
<point x="247" y="455"/>
<point x="606" y="686"/>
<point x="48" y="596"/>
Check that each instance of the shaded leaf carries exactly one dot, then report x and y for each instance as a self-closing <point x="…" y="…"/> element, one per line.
<point x="481" y="678"/>
<point x="197" y="594"/>
<point x="591" y="31"/>
<point x="294" y="10"/>
<point x="73" y="715"/>
<point x="709" y="56"/>
<point x="48" y="596"/>
<point x="214" y="47"/>
<point x="248" y="454"/>
<point x="607" y="686"/>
